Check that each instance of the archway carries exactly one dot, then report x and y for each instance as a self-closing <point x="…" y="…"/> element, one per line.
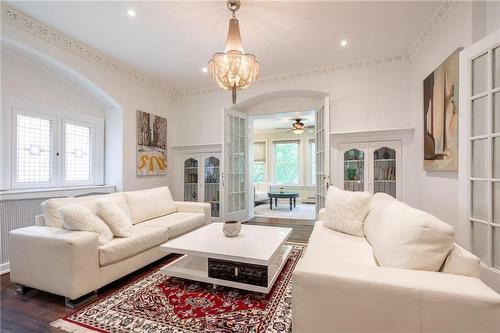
<point x="113" y="152"/>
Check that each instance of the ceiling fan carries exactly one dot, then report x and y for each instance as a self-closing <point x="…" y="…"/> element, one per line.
<point x="298" y="127"/>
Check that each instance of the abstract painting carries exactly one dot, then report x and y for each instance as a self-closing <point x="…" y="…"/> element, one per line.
<point x="441" y="116"/>
<point x="151" y="144"/>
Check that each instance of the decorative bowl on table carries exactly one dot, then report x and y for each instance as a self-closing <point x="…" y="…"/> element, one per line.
<point x="231" y="228"/>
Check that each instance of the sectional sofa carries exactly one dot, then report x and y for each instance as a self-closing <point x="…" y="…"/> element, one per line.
<point x="340" y="286"/>
<point x="73" y="264"/>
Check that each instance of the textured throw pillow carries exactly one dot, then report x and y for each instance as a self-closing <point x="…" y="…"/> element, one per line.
<point x="116" y="219"/>
<point x="405" y="237"/>
<point x="346" y="211"/>
<point x="78" y="217"/>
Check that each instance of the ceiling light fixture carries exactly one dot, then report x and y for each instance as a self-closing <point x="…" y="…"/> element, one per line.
<point x="204" y="69"/>
<point x="130" y="12"/>
<point x="233" y="69"/>
<point x="343" y="43"/>
<point x="298" y="127"/>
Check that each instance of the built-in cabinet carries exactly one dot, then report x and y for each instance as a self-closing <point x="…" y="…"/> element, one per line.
<point x="372" y="166"/>
<point x="201" y="180"/>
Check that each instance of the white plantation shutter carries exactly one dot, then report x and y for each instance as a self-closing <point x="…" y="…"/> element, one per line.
<point x="34" y="149"/>
<point x="77" y="153"/>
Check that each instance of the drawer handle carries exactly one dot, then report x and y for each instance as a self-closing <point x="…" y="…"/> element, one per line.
<point x="236" y="271"/>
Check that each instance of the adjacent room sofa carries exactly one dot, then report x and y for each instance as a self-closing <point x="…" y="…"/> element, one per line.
<point x="260" y="192"/>
<point x="339" y="286"/>
<point x="72" y="263"/>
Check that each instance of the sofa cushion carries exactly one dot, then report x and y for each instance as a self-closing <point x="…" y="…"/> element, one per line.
<point x="53" y="218"/>
<point x="80" y="218"/>
<point x="261" y="196"/>
<point x="142" y="239"/>
<point x="405" y="237"/>
<point x="329" y="247"/>
<point x="346" y="211"/>
<point x="148" y="204"/>
<point x="177" y="223"/>
<point x="462" y="262"/>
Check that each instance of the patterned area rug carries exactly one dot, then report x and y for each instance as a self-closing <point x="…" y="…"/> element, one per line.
<point x="158" y="303"/>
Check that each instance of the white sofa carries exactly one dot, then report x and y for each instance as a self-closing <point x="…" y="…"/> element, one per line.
<point x="260" y="192"/>
<point x="338" y="286"/>
<point x="72" y="264"/>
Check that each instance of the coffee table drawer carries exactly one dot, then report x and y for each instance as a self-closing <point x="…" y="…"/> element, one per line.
<point x="256" y="275"/>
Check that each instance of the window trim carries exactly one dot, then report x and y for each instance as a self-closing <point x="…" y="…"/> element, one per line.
<point x="300" y="161"/>
<point x="59" y="117"/>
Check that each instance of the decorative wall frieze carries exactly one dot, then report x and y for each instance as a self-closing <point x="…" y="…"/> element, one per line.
<point x="309" y="73"/>
<point x="437" y="18"/>
<point x="53" y="36"/>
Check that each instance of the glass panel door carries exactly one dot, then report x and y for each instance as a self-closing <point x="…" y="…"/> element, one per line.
<point x="384" y="171"/>
<point x="191" y="179"/>
<point x="484" y="158"/>
<point x="235" y="165"/>
<point x="321" y="174"/>
<point x="354" y="170"/>
<point x="212" y="187"/>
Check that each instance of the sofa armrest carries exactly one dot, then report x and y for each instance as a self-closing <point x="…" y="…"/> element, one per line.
<point x="56" y="260"/>
<point x="39" y="220"/>
<point x="195" y="207"/>
<point x="322" y="214"/>
<point x="355" y="298"/>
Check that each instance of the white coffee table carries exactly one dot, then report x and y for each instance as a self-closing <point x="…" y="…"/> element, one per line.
<point x="251" y="261"/>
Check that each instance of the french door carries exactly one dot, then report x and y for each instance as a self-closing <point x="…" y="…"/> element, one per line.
<point x="479" y="166"/>
<point x="322" y="131"/>
<point x="235" y="165"/>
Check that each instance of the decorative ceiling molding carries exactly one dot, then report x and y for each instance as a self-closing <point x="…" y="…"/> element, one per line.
<point x="53" y="36"/>
<point x="436" y="19"/>
<point x="387" y="60"/>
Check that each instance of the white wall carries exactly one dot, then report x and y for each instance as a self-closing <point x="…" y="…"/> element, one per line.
<point x="466" y="23"/>
<point x="120" y="122"/>
<point x="360" y="99"/>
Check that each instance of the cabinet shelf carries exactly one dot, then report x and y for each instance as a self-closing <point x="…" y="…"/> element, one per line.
<point x="384" y="180"/>
<point x="385" y="160"/>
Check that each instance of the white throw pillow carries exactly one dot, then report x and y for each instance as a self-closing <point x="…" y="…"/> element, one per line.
<point x="148" y="204"/>
<point x="405" y="237"/>
<point x="78" y="217"/>
<point x="51" y="207"/>
<point x="116" y="219"/>
<point x="346" y="211"/>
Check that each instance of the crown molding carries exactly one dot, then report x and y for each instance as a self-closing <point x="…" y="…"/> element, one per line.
<point x="342" y="67"/>
<point x="27" y="23"/>
<point x="437" y="18"/>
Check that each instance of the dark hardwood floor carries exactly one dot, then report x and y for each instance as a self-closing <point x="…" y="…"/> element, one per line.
<point x="34" y="311"/>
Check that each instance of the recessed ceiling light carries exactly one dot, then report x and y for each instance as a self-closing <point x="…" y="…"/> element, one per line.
<point x="204" y="69"/>
<point x="343" y="42"/>
<point x="130" y="12"/>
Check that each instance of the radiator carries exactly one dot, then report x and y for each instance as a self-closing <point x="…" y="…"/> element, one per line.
<point x="16" y="214"/>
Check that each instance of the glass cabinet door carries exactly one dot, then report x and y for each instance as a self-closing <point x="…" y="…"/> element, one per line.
<point x="384" y="171"/>
<point x="212" y="180"/>
<point x="354" y="170"/>
<point x="191" y="180"/>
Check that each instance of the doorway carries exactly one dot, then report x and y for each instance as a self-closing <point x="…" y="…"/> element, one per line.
<point x="283" y="165"/>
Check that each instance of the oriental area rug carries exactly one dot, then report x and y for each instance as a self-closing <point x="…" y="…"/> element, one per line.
<point x="158" y="303"/>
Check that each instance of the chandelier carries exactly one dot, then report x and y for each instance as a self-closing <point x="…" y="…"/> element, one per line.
<point x="233" y="69"/>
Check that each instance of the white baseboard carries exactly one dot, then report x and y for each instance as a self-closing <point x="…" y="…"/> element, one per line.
<point x="4" y="268"/>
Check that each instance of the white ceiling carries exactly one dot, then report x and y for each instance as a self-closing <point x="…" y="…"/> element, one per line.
<point x="281" y="122"/>
<point x="171" y="41"/>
